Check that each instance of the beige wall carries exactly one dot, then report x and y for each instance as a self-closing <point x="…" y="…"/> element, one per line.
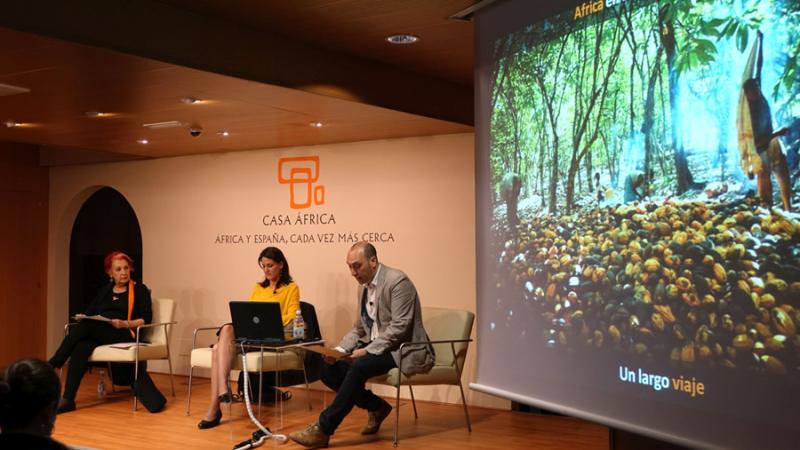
<point x="421" y="190"/>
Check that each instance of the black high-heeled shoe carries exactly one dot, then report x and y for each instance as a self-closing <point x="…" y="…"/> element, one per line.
<point x="205" y="424"/>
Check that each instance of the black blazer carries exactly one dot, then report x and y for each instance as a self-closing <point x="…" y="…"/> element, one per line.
<point x="142" y="304"/>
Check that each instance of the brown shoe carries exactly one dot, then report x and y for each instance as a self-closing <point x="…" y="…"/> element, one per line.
<point x="376" y="418"/>
<point x="311" y="437"/>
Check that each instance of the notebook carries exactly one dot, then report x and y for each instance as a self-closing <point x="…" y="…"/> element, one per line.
<point x="258" y="322"/>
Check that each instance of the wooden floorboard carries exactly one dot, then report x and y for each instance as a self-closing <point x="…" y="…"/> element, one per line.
<point x="111" y="424"/>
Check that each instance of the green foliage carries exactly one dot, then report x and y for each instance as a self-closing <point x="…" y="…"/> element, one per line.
<point x="790" y="75"/>
<point x="741" y="28"/>
<point x="544" y="88"/>
<point x="790" y="14"/>
<point x="698" y="29"/>
<point x="695" y="55"/>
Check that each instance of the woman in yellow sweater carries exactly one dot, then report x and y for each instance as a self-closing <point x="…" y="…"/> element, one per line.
<point x="276" y="287"/>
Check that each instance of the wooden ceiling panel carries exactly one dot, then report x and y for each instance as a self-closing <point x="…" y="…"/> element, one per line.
<point x="218" y="44"/>
<point x="67" y="79"/>
<point x="359" y="27"/>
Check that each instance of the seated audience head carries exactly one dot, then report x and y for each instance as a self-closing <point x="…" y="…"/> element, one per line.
<point x="29" y="393"/>
<point x="275" y="267"/>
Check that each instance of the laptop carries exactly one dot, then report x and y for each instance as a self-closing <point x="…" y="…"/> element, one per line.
<point x="258" y="323"/>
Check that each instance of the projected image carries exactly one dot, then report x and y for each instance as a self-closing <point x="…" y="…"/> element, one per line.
<point x="644" y="164"/>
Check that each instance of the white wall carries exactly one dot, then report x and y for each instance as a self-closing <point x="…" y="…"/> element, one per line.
<point x="421" y="190"/>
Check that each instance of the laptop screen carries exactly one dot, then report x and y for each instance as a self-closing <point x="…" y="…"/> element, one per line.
<point x="257" y="321"/>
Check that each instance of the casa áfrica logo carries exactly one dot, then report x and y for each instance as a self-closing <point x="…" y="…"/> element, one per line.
<point x="301" y="173"/>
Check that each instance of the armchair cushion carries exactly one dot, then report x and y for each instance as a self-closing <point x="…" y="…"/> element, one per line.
<point x="111" y="354"/>
<point x="439" y="374"/>
<point x="271" y="362"/>
<point x="295" y="367"/>
<point x="155" y="335"/>
<point x="448" y="325"/>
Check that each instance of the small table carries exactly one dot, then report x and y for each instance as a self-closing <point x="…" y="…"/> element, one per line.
<point x="278" y="349"/>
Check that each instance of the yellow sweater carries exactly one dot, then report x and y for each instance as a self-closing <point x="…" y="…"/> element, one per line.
<point x="288" y="296"/>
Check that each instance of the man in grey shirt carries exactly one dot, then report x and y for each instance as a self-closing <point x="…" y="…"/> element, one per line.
<point x="389" y="314"/>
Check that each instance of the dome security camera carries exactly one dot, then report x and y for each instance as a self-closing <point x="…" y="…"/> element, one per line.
<point x="195" y="131"/>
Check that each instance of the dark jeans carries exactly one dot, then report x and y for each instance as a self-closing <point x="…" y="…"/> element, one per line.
<point x="78" y="346"/>
<point x="348" y="380"/>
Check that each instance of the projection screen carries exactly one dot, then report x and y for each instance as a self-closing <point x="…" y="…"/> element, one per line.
<point x="637" y="246"/>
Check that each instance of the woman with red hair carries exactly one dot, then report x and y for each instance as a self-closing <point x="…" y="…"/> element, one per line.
<point x="126" y="304"/>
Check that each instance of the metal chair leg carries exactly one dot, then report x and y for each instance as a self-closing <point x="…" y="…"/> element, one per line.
<point x="189" y="400"/>
<point x="464" y="402"/>
<point x="413" y="403"/>
<point x="261" y="380"/>
<point x="110" y="378"/>
<point x="169" y="362"/>
<point x="135" y="382"/>
<point x="171" y="383"/>
<point x="397" y="415"/>
<point x="308" y="389"/>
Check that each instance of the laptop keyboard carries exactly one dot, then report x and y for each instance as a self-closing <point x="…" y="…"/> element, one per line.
<point x="265" y="342"/>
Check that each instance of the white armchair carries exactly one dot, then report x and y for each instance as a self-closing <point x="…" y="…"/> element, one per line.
<point x="154" y="337"/>
<point x="449" y="332"/>
<point x="258" y="361"/>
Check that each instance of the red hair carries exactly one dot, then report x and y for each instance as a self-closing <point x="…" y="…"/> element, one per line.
<point x="116" y="255"/>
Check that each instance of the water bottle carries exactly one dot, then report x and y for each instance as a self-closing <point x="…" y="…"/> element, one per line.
<point x="299" y="326"/>
<point x="101" y="385"/>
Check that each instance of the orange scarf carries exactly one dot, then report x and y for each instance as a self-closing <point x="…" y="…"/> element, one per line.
<point x="130" y="306"/>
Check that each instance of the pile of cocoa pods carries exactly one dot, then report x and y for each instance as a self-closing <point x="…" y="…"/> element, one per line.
<point x="695" y="283"/>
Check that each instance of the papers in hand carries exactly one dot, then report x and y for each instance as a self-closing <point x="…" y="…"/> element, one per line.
<point x="325" y="351"/>
<point x="95" y="317"/>
<point x="126" y="345"/>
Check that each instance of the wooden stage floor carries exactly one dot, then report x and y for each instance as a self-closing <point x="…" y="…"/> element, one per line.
<point x="111" y="424"/>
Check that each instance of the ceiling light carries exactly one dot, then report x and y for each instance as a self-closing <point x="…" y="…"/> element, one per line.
<point x="190" y="100"/>
<point x="402" y="39"/>
<point x="14" y="124"/>
<point x="143" y="141"/>
<point x="95" y="114"/>
<point x="224" y="133"/>
<point x="7" y="89"/>
<point x="316" y="124"/>
<point x="160" y="125"/>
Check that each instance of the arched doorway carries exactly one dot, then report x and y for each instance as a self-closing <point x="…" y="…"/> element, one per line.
<point x="105" y="222"/>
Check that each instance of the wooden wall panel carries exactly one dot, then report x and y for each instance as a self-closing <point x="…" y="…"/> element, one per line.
<point x="23" y="253"/>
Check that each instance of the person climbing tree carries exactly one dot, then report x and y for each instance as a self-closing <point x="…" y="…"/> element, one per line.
<point x="771" y="158"/>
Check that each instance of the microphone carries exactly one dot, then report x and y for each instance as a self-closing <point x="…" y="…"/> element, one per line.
<point x="258" y="438"/>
